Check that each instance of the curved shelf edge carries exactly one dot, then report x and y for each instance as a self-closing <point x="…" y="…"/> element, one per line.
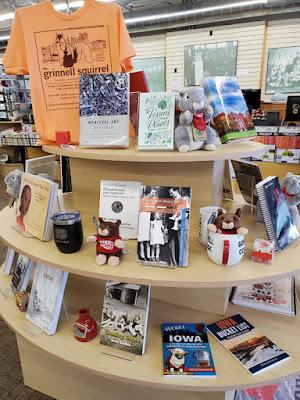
<point x="201" y="272"/>
<point x="234" y="150"/>
<point x="146" y="370"/>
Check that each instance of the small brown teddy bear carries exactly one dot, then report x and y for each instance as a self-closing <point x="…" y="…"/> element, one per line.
<point x="228" y="223"/>
<point x="109" y="244"/>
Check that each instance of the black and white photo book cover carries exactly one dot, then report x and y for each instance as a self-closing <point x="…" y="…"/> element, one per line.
<point x="104" y="110"/>
<point x="125" y="316"/>
<point x="163" y="230"/>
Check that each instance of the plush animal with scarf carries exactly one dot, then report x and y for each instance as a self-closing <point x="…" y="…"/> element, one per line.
<point x="228" y="223"/>
<point x="109" y="244"/>
<point x="290" y="185"/>
<point x="193" y="131"/>
<point x="13" y="184"/>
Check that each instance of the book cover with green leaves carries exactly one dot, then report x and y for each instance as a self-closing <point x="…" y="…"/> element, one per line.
<point x="156" y="121"/>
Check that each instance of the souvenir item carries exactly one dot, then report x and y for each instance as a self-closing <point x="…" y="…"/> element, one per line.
<point x="62" y="137"/>
<point x="22" y="300"/>
<point x="109" y="244"/>
<point x="67" y="227"/>
<point x="193" y="131"/>
<point x="228" y="223"/>
<point x="85" y="327"/>
<point x="207" y="215"/>
<point x="263" y="251"/>
<point x="13" y="183"/>
<point x="125" y="317"/>
<point x="290" y="185"/>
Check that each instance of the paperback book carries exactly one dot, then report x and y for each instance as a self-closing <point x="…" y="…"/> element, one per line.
<point x="248" y="176"/>
<point x="46" y="297"/>
<point x="104" y="110"/>
<point x="163" y="231"/>
<point x="156" y="121"/>
<point x="125" y="316"/>
<point x="231" y="117"/>
<point x="120" y="200"/>
<point x="9" y="262"/>
<point x="276" y="214"/>
<point x="250" y="347"/>
<point x="37" y="203"/>
<point x="277" y="296"/>
<point x="21" y="274"/>
<point x="186" y="350"/>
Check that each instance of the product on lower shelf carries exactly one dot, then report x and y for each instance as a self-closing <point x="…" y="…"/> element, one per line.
<point x="249" y="346"/>
<point x="186" y="350"/>
<point x="125" y="317"/>
<point x="21" y="274"/>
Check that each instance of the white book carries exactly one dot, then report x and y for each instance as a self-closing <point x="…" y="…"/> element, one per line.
<point x="156" y="121"/>
<point x="46" y="297"/>
<point x="10" y="261"/>
<point x="125" y="316"/>
<point x="277" y="296"/>
<point x="121" y="200"/>
<point x="21" y="274"/>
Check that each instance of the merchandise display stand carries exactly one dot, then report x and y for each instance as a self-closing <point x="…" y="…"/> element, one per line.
<point x="66" y="369"/>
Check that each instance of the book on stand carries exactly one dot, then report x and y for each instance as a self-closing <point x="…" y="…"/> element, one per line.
<point x="46" y="297"/>
<point x="163" y="231"/>
<point x="247" y="175"/>
<point x="231" y="117"/>
<point x="125" y="317"/>
<point x="120" y="200"/>
<point x="276" y="214"/>
<point x="42" y="165"/>
<point x="37" y="203"/>
<point x="277" y="296"/>
<point x="104" y="110"/>
<point x="186" y="350"/>
<point x="247" y="344"/>
<point x="21" y="274"/>
<point x="9" y="262"/>
<point x="156" y="121"/>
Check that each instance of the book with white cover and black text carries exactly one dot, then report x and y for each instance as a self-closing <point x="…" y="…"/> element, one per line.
<point x="247" y="344"/>
<point x="277" y="296"/>
<point x="21" y="274"/>
<point x="120" y="200"/>
<point x="104" y="110"/>
<point x="46" y="297"/>
<point x="163" y="231"/>
<point x="10" y="261"/>
<point x="125" y="316"/>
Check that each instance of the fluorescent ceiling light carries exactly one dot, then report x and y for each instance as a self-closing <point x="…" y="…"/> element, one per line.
<point x="194" y="11"/>
<point x="4" y="37"/>
<point x="7" y="16"/>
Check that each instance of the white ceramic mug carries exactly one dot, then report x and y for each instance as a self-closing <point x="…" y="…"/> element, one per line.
<point x="226" y="250"/>
<point x="204" y="219"/>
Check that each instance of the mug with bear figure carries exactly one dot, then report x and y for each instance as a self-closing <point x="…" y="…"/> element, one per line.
<point x="226" y="250"/>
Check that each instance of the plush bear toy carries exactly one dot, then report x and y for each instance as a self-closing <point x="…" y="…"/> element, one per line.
<point x="228" y="223"/>
<point x="109" y="245"/>
<point x="193" y="131"/>
<point x="290" y="185"/>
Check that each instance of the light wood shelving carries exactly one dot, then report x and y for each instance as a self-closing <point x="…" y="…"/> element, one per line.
<point x="146" y="370"/>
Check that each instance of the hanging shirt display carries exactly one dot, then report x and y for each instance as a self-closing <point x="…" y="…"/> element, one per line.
<point x="56" y="48"/>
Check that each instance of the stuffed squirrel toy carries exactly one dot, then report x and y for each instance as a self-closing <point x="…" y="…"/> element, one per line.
<point x="109" y="244"/>
<point x="290" y="185"/>
<point x="193" y="131"/>
<point x="228" y="223"/>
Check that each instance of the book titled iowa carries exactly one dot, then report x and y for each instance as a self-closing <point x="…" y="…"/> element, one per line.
<point x="248" y="345"/>
<point x="186" y="350"/>
<point x="37" y="203"/>
<point x="276" y="214"/>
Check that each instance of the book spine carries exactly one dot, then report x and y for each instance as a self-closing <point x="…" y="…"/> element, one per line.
<point x="183" y="239"/>
<point x="267" y="217"/>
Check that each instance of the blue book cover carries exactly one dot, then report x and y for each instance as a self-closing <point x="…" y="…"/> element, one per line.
<point x="250" y="347"/>
<point x="276" y="214"/>
<point x="186" y="350"/>
<point x="231" y="117"/>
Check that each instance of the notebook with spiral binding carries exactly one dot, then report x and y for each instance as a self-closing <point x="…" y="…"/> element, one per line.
<point x="275" y="212"/>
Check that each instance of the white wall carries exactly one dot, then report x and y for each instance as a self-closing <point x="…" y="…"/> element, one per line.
<point x="254" y="40"/>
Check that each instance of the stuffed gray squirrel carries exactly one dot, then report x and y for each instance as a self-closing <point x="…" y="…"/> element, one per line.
<point x="193" y="131"/>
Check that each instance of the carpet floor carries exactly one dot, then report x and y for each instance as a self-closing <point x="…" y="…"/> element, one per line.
<point x="11" y="381"/>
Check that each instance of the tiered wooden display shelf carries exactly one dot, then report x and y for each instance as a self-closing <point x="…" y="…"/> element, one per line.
<point x="65" y="369"/>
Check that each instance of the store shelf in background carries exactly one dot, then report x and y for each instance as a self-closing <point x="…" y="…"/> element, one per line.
<point x="201" y="272"/>
<point x="7" y="168"/>
<point x="234" y="150"/>
<point x="146" y="370"/>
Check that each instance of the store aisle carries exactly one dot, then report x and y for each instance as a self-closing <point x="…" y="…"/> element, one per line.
<point x="11" y="381"/>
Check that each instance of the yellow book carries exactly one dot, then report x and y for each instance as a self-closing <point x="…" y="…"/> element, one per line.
<point x="37" y="202"/>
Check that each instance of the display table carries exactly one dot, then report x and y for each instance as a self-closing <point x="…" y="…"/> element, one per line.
<point x="65" y="369"/>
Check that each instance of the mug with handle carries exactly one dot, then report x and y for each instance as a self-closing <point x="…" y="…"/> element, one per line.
<point x="226" y="250"/>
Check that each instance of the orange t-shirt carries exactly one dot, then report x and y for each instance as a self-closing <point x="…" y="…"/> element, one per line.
<point x="56" y="48"/>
